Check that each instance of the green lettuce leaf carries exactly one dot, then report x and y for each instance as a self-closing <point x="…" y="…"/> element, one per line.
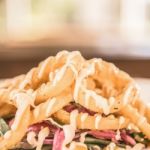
<point x="3" y="127"/>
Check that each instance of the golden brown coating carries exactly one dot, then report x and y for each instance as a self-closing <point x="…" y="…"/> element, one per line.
<point x="111" y="88"/>
<point x="94" y="84"/>
<point x="97" y="122"/>
<point x="137" y="118"/>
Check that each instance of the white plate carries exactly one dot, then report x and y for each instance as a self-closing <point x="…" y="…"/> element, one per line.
<point x="144" y="85"/>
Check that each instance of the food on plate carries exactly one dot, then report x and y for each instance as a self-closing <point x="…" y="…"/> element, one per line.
<point x="70" y="103"/>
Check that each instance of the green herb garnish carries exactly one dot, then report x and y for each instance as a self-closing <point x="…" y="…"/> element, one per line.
<point x="101" y="142"/>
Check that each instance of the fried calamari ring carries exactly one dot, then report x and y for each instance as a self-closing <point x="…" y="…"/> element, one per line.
<point x="142" y="108"/>
<point x="135" y="117"/>
<point x="36" y="75"/>
<point x="12" y="137"/>
<point x="95" y="84"/>
<point x="66" y="68"/>
<point x="113" y="88"/>
<point x="17" y="132"/>
<point x="46" y="109"/>
<point x="64" y="77"/>
<point x="41" y="74"/>
<point x="26" y="116"/>
<point x="97" y="122"/>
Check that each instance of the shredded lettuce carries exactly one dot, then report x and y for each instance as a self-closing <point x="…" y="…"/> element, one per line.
<point x="100" y="142"/>
<point x="140" y="138"/>
<point x="3" y="127"/>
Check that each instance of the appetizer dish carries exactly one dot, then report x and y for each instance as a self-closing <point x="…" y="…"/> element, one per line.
<point x="70" y="103"/>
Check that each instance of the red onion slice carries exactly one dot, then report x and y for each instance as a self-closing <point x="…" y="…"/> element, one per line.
<point x="58" y="140"/>
<point x="103" y="134"/>
<point x="127" y="139"/>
